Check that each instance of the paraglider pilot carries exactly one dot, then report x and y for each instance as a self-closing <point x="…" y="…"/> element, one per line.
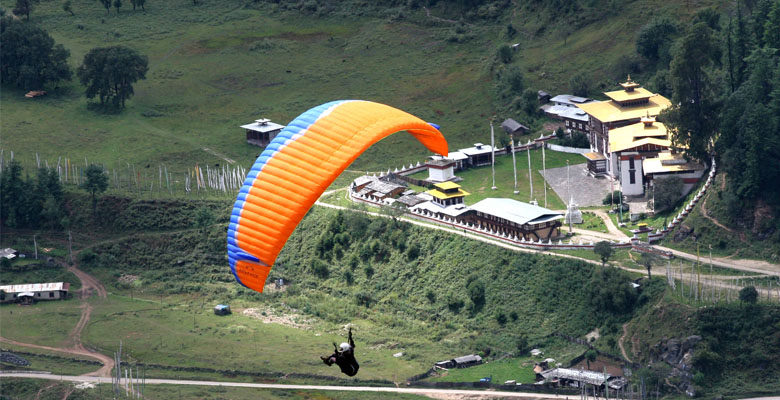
<point x="344" y="357"/>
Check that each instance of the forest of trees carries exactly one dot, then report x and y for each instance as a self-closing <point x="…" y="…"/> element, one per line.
<point x="724" y="81"/>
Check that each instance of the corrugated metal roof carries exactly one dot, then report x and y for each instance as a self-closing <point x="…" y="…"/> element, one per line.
<point x="467" y="359"/>
<point x="570" y="99"/>
<point x="512" y="126"/>
<point x="383" y="187"/>
<point x="516" y="211"/>
<point x="35" y="287"/>
<point x="264" y="127"/>
<point x="452" y="211"/>
<point x="567" y="112"/>
<point x="478" y="149"/>
<point x="589" y="377"/>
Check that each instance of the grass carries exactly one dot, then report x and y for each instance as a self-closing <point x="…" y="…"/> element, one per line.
<point x="478" y="181"/>
<point x="59" y="364"/>
<point x="592" y="222"/>
<point x="520" y="370"/>
<point x="45" y="323"/>
<point x="207" y="76"/>
<point x="190" y="334"/>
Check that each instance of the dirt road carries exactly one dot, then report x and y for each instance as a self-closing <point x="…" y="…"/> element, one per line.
<point x="89" y="285"/>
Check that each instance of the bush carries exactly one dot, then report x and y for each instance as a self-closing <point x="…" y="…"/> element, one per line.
<point x="612" y="198"/>
<point x="501" y="318"/>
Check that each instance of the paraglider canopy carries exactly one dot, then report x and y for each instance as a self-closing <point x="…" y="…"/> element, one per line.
<point x="296" y="168"/>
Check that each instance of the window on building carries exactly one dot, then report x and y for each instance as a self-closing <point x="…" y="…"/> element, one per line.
<point x="51" y="294"/>
<point x="631" y="178"/>
<point x="631" y="163"/>
<point x="567" y="124"/>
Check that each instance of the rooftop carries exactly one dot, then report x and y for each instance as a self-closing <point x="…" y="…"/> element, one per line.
<point x="516" y="211"/>
<point x="35" y="287"/>
<point x="667" y="162"/>
<point x="567" y="112"/>
<point x="437" y="193"/>
<point x="638" y="134"/>
<point x="452" y="211"/>
<point x="478" y="149"/>
<point x="570" y="99"/>
<point x="625" y="95"/>
<point x="610" y="111"/>
<point x="263" y="125"/>
<point x="383" y="187"/>
<point x="511" y="126"/>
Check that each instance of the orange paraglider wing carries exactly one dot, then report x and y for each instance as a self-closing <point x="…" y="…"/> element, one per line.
<point x="296" y="168"/>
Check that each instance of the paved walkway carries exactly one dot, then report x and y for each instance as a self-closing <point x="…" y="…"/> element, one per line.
<point x="586" y="190"/>
<point x="451" y="393"/>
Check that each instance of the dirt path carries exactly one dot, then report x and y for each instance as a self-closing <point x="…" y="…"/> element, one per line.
<point x="620" y="342"/>
<point x="89" y="285"/>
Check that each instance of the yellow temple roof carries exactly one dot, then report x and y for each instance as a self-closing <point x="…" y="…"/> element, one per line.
<point x="610" y="111"/>
<point x="638" y="134"/>
<point x="444" y="196"/>
<point x="624" y="95"/>
<point x="446" y="185"/>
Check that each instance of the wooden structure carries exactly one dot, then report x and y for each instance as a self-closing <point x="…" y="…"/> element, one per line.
<point x="513" y="127"/>
<point x="515" y="219"/>
<point x="261" y="132"/>
<point x="597" y="163"/>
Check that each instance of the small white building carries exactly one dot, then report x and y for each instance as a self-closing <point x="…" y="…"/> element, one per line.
<point x="27" y="293"/>
<point x="441" y="170"/>
<point x="261" y="132"/>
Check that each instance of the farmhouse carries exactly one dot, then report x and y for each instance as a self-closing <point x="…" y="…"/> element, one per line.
<point x="261" y="132"/>
<point x="515" y="218"/>
<point x="513" y="127"/>
<point x="625" y="107"/>
<point x="31" y="292"/>
<point x="460" y="362"/>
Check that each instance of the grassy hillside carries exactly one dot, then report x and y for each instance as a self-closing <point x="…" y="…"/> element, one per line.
<point x="430" y="295"/>
<point x="216" y="65"/>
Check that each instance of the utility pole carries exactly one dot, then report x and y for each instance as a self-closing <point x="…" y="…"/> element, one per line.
<point x="492" y="154"/>
<point x="35" y="244"/>
<point x="530" y="177"/>
<point x="544" y="174"/>
<point x="70" y="247"/>
<point x="514" y="161"/>
<point x="568" y="189"/>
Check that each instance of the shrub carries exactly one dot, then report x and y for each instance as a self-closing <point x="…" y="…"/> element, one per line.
<point x="612" y="198"/>
<point x="501" y="318"/>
